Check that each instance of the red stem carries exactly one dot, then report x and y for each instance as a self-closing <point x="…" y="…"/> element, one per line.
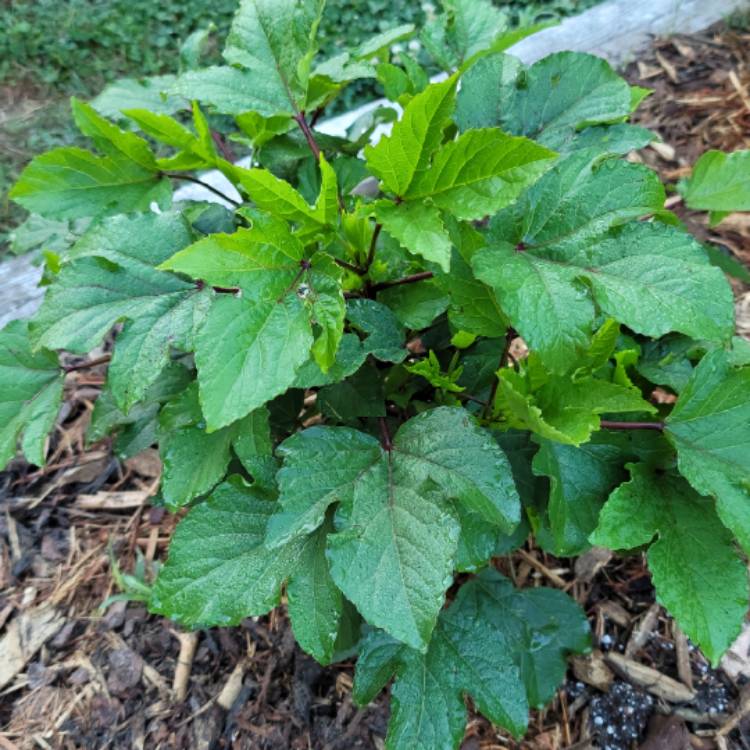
<point x="373" y="243"/>
<point x="307" y="132"/>
<point x="385" y="435"/>
<point x="413" y="279"/>
<point x="90" y="363"/>
<point x="610" y="425"/>
<point x="211" y="188"/>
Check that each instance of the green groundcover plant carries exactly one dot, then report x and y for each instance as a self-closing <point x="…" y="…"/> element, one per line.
<point x="326" y="361"/>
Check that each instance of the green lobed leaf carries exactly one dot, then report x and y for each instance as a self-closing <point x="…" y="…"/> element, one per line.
<point x="361" y="395"/>
<point x="230" y="91"/>
<point x="504" y="648"/>
<point x="247" y="353"/>
<point x="394" y="500"/>
<point x="562" y="93"/>
<point x="141" y="93"/>
<point x="109" y="138"/>
<point x="136" y="430"/>
<point x="415" y="305"/>
<point x="31" y="385"/>
<point x="195" y="461"/>
<point x="384" y="334"/>
<point x="263" y="260"/>
<point x="399" y="159"/>
<point x="218" y="571"/>
<point x="580" y="479"/>
<point x="697" y="574"/>
<point x="71" y="183"/>
<point x="474" y="307"/>
<point x="315" y="603"/>
<point x="283" y="295"/>
<point x="112" y="277"/>
<point x="314" y="477"/>
<point x="561" y="240"/>
<point x="274" y="40"/>
<point x="710" y="427"/>
<point x="720" y="182"/>
<point x="542" y="626"/>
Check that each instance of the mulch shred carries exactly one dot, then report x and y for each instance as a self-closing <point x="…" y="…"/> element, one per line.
<point x="126" y="679"/>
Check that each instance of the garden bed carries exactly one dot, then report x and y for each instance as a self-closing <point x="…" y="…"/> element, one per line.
<point x="85" y="680"/>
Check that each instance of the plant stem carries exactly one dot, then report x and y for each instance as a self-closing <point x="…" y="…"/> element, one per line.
<point x="222" y="145"/>
<point x="373" y="243"/>
<point x="413" y="279"/>
<point x="467" y="397"/>
<point x="350" y="267"/>
<point x="200" y="284"/>
<point x="304" y="265"/>
<point x="385" y="435"/>
<point x="299" y="118"/>
<point x="610" y="425"/>
<point x="211" y="188"/>
<point x="510" y="334"/>
<point x="91" y="363"/>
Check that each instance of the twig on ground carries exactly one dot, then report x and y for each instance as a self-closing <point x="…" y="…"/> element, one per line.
<point x="188" y="643"/>
<point x="543" y="569"/>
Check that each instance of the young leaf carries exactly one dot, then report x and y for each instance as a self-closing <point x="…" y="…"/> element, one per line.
<point x="710" y="427"/>
<point x="418" y="227"/>
<point x="70" y="183"/>
<point x="279" y="198"/>
<point x="400" y="158"/>
<point x="697" y="574"/>
<point x="324" y="296"/>
<point x="109" y="138"/>
<point x="112" y="277"/>
<point x="720" y="182"/>
<point x="480" y="172"/>
<point x="564" y="410"/>
<point x="31" y="385"/>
